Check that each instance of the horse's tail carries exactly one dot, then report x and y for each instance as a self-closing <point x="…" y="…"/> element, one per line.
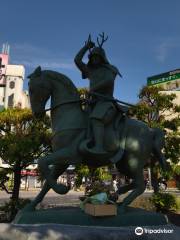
<point x="158" y="144"/>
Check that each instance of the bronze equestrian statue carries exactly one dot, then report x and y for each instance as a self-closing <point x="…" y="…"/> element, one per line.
<point x="109" y="137"/>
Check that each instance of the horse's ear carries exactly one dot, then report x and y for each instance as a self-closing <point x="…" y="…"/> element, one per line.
<point x="36" y="73"/>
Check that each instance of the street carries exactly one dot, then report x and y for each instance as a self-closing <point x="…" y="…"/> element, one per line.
<point x="51" y="199"/>
<point x="54" y="199"/>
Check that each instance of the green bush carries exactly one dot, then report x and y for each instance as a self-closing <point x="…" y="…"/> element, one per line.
<point x="178" y="203"/>
<point x="178" y="185"/>
<point x="177" y="170"/>
<point x="78" y="181"/>
<point x="177" y="176"/>
<point x="12" y="207"/>
<point x="10" y="184"/>
<point x="164" y="202"/>
<point x="100" y="174"/>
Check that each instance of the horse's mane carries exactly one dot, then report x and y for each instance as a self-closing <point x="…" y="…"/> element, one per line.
<point x="59" y="77"/>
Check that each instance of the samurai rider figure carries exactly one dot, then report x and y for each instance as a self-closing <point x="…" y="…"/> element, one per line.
<point x="102" y="76"/>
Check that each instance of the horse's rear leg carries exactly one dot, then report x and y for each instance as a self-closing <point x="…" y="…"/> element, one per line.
<point x="139" y="187"/>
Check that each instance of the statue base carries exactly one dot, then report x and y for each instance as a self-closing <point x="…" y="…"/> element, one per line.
<point x="71" y="232"/>
<point x="75" y="216"/>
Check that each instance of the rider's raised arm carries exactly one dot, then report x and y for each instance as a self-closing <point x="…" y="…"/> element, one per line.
<point x="78" y="60"/>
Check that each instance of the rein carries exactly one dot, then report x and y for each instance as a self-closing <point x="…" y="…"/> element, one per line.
<point x="111" y="99"/>
<point x="63" y="103"/>
<point x="87" y="101"/>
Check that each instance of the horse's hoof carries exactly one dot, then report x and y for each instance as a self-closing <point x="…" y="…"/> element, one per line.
<point x="61" y="189"/>
<point x="121" y="209"/>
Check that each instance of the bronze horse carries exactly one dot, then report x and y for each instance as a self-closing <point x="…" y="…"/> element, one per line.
<point x="69" y="127"/>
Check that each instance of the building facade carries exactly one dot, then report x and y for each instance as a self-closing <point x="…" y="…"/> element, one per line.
<point x="170" y="83"/>
<point x="11" y="83"/>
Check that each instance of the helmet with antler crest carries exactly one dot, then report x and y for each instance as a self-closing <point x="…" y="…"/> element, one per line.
<point x="99" y="50"/>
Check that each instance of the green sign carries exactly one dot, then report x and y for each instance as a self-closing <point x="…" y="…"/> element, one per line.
<point x="169" y="80"/>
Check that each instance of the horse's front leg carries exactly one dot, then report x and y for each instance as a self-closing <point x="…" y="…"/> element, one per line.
<point x="59" y="159"/>
<point x="125" y="188"/>
<point x="55" y="173"/>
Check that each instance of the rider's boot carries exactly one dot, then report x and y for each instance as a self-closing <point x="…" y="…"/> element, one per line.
<point x="98" y="133"/>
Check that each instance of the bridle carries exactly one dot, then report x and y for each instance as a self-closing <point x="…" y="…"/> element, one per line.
<point x="63" y="103"/>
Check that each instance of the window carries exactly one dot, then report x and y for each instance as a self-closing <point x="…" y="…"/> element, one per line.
<point x="11" y="100"/>
<point x="12" y="84"/>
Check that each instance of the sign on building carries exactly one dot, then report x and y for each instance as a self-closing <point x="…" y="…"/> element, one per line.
<point x="169" y="80"/>
<point x="3" y="64"/>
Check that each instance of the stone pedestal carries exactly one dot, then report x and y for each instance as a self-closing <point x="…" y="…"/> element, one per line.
<point x="69" y="232"/>
<point x="75" y="216"/>
<point x="73" y="224"/>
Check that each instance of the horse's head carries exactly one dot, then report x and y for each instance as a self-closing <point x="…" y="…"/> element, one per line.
<point x="39" y="92"/>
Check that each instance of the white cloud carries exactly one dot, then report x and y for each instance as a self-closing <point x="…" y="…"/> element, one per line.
<point x="25" y="47"/>
<point x="51" y="63"/>
<point x="32" y="56"/>
<point x="165" y="48"/>
<point x="162" y="52"/>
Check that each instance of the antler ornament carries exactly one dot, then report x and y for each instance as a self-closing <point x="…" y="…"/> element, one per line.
<point x="103" y="39"/>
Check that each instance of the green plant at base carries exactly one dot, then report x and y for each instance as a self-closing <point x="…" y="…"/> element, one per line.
<point x="164" y="202"/>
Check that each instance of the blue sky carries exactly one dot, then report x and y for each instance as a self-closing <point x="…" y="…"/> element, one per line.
<point x="144" y="36"/>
